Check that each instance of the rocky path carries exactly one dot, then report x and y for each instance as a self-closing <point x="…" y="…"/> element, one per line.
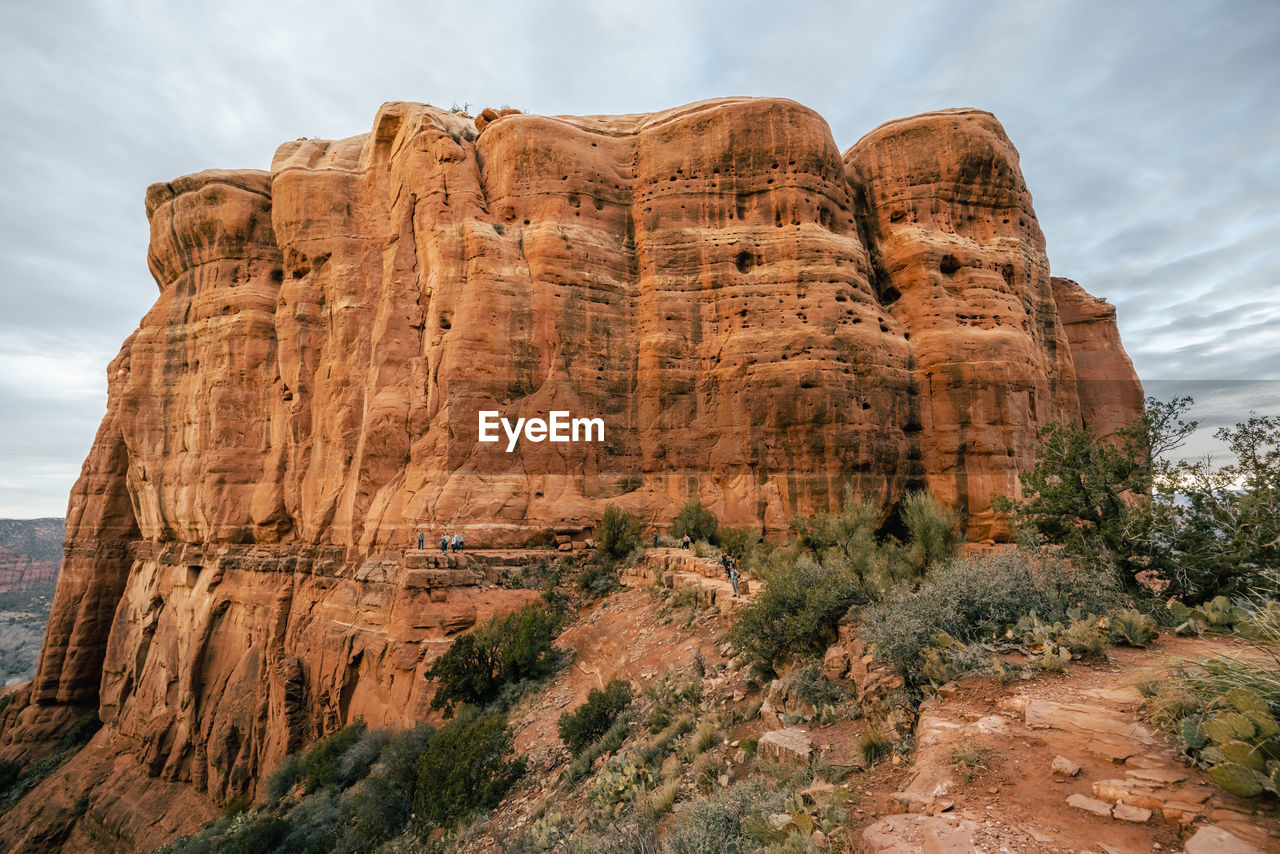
<point x="681" y="569"/>
<point x="1063" y="764"/>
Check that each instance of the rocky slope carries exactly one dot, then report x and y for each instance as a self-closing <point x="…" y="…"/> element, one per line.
<point x="757" y="318"/>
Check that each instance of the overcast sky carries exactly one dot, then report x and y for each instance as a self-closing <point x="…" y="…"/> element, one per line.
<point x="1149" y="135"/>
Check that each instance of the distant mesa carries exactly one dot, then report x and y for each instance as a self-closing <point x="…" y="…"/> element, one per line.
<point x="30" y="552"/>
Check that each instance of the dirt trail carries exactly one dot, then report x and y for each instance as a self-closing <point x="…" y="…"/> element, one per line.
<point x="984" y="777"/>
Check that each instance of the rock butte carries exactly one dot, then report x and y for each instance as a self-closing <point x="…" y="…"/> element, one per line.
<point x="759" y="320"/>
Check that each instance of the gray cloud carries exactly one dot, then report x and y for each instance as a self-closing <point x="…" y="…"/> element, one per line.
<point x="1148" y="133"/>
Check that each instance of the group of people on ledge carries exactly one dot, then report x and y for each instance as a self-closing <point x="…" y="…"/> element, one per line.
<point x="456" y="542"/>
<point x="728" y="561"/>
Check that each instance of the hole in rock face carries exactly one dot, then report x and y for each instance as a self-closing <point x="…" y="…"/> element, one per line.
<point x="277" y="275"/>
<point x="744" y="262"/>
<point x="949" y="264"/>
<point x="897" y="216"/>
<point x="444" y="322"/>
<point x="889" y="295"/>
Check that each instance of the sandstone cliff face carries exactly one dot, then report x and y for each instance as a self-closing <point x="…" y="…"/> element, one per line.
<point x="758" y="319"/>
<point x="1106" y="383"/>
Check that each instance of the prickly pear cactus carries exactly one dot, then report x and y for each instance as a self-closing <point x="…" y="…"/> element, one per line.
<point x="1216" y="615"/>
<point x="1241" y="741"/>
<point x="1237" y="779"/>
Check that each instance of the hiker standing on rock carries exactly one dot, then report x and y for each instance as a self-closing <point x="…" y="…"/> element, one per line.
<point x="462" y="542"/>
<point x="444" y="543"/>
<point x="422" y="540"/>
<point x="454" y="542"/>
<point x="684" y="544"/>
<point x="727" y="563"/>
<point x="655" y="538"/>
<point x="733" y="579"/>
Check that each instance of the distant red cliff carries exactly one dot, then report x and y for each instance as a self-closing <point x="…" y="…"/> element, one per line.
<point x="30" y="552"/>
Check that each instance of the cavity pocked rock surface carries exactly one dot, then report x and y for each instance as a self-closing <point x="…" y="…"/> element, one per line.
<point x="758" y="319"/>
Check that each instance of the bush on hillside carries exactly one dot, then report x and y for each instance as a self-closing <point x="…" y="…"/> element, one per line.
<point x="697" y="521"/>
<point x="581" y="728"/>
<point x="796" y="612"/>
<point x="618" y="533"/>
<point x="967" y="600"/>
<point x="933" y="531"/>
<point x="466" y="767"/>
<point x="503" y="651"/>
<point x="321" y="762"/>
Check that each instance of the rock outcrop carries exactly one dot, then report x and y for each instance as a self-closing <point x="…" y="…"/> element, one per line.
<point x="756" y="318"/>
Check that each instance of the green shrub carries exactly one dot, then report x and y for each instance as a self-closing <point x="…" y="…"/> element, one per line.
<point x="1131" y="628"/>
<point x="288" y="774"/>
<point x="874" y="747"/>
<point x="580" y="728"/>
<point x="845" y="543"/>
<point x="321" y="762"/>
<point x="606" y="744"/>
<point x="466" y="767"/>
<point x="399" y="758"/>
<point x="80" y="732"/>
<point x="264" y="834"/>
<point x="355" y="762"/>
<point x="237" y="805"/>
<point x="933" y="531"/>
<point x="9" y="773"/>
<point x="702" y="739"/>
<point x="618" y="532"/>
<point x="658" y="718"/>
<point x="809" y="684"/>
<point x="723" y="821"/>
<point x="967" y="600"/>
<point x="598" y="578"/>
<point x="796" y="612"/>
<point x="697" y="521"/>
<point x="1085" y="637"/>
<point x="738" y="542"/>
<point x="313" y="824"/>
<point x="376" y="810"/>
<point x="504" y="650"/>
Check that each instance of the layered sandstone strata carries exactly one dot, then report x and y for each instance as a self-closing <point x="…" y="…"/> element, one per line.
<point x="758" y="319"/>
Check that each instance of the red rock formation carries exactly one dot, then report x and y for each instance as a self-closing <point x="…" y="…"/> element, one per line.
<point x="757" y="319"/>
<point x="962" y="270"/>
<point x="1107" y="387"/>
